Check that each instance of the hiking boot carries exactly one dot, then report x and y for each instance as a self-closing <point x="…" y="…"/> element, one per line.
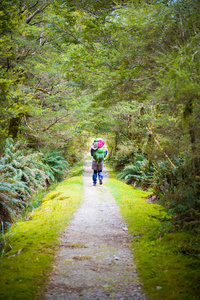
<point x="94" y="184"/>
<point x="100" y="181"/>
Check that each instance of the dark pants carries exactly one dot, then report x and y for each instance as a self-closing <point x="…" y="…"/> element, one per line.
<point x="95" y="174"/>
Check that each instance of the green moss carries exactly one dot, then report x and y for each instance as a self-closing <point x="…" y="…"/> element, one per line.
<point x="165" y="269"/>
<point x="85" y="257"/>
<point x="25" y="266"/>
<point x="78" y="245"/>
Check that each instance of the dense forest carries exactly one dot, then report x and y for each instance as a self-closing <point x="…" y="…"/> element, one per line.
<point x="128" y="71"/>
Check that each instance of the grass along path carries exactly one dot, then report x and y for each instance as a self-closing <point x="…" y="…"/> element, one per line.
<point x="166" y="272"/>
<point x="30" y="245"/>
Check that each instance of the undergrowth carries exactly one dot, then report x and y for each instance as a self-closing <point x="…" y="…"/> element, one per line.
<point x="27" y="255"/>
<point x="23" y="174"/>
<point x="163" y="263"/>
<point x="77" y="170"/>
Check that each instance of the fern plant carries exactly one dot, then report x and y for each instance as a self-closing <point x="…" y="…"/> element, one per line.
<point x="129" y="172"/>
<point x="26" y="168"/>
<point x="55" y="164"/>
<point x="140" y="171"/>
<point x="21" y="175"/>
<point x="10" y="201"/>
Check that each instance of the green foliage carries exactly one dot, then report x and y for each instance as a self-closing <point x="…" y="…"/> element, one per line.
<point x="76" y="170"/>
<point x="25" y="168"/>
<point x="8" y="202"/>
<point x="23" y="174"/>
<point x="178" y="190"/>
<point x="55" y="164"/>
<point x="138" y="173"/>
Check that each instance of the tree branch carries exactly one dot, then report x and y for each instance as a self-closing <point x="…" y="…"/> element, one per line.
<point x="35" y="23"/>
<point x="56" y="121"/>
<point x="44" y="91"/>
<point x="29" y="7"/>
<point x="47" y="128"/>
<point x="38" y="10"/>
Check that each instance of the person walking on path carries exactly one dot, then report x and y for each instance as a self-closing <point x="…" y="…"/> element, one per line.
<point x="98" y="152"/>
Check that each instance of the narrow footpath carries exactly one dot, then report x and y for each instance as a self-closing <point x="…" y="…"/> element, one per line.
<point x="94" y="261"/>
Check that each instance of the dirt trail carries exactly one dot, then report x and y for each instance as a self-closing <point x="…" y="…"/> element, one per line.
<point x="95" y="261"/>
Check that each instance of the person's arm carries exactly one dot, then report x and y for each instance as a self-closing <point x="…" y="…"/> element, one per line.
<point x="105" y="153"/>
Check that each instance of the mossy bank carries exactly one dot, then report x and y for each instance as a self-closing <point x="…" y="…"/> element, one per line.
<point x="30" y="245"/>
<point x="167" y="272"/>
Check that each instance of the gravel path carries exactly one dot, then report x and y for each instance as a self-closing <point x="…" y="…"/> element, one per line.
<point x="94" y="261"/>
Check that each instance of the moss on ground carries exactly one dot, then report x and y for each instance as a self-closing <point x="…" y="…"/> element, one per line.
<point x="166" y="271"/>
<point x="30" y="245"/>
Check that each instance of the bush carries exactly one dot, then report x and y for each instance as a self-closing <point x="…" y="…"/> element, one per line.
<point x="55" y="164"/>
<point x="139" y="172"/>
<point x="26" y="168"/>
<point x="24" y="173"/>
<point x="178" y="189"/>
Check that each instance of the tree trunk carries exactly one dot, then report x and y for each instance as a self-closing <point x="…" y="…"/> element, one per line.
<point x="116" y="141"/>
<point x="194" y="149"/>
<point x="129" y="127"/>
<point x="14" y="127"/>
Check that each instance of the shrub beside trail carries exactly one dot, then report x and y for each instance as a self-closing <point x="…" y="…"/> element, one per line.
<point x="24" y="173"/>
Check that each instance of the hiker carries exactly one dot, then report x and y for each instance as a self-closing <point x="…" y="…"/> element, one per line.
<point x="98" y="152"/>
